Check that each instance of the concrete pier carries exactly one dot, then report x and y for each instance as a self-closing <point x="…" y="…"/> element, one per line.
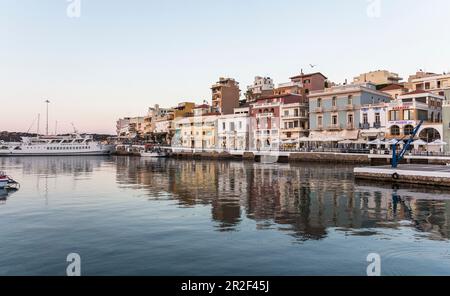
<point x="435" y="175"/>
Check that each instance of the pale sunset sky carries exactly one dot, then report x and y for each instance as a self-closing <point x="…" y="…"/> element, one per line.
<point x="120" y="57"/>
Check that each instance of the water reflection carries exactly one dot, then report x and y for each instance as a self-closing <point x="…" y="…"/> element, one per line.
<point x="305" y="201"/>
<point x="5" y="193"/>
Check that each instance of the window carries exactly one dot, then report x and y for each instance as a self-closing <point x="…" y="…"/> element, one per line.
<point x="350" y="119"/>
<point x="286" y="112"/>
<point x="334" y="120"/>
<point x="319" y="103"/>
<point x="296" y="112"/>
<point x="406" y="114"/>
<point x="394" y="115"/>
<point x="377" y="118"/>
<point x="365" y="118"/>
<point x="427" y="85"/>
<point x="408" y="130"/>
<point x="350" y="100"/>
<point x="334" y="101"/>
<point x="223" y="126"/>
<point x="439" y="84"/>
<point x="320" y="121"/>
<point x="395" y="130"/>
<point x="240" y="125"/>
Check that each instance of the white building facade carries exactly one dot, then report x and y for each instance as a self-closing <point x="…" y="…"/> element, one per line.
<point x="233" y="130"/>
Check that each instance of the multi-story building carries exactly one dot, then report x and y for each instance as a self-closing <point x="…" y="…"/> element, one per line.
<point x="289" y="88"/>
<point x="183" y="110"/>
<point x="435" y="83"/>
<point x="405" y="113"/>
<point x="152" y="114"/>
<point x="373" y="121"/>
<point x="294" y="122"/>
<point x="233" y="130"/>
<point x="225" y="95"/>
<point x="261" y="87"/>
<point x="379" y="77"/>
<point x="335" y="111"/>
<point x="198" y="131"/>
<point x="310" y="82"/>
<point x="266" y="122"/>
<point x="163" y="129"/>
<point x="130" y="127"/>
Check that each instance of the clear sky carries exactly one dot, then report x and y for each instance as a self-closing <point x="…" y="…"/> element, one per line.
<point x="122" y="56"/>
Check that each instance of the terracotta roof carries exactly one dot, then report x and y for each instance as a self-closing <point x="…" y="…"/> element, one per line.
<point x="393" y="87"/>
<point x="308" y="75"/>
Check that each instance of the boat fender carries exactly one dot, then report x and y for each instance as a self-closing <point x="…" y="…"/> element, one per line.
<point x="395" y="176"/>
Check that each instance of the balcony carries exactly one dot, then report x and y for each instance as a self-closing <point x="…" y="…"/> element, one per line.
<point x="364" y="126"/>
<point x="349" y="107"/>
<point x="334" y="109"/>
<point x="260" y="115"/>
<point x="319" y="110"/>
<point x="350" y="126"/>
<point x="334" y="127"/>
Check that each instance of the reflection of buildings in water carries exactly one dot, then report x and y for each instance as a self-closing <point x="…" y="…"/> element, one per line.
<point x="309" y="199"/>
<point x="52" y="166"/>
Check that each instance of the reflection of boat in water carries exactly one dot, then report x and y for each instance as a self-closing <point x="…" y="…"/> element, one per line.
<point x="7" y="182"/>
<point x="153" y="152"/>
<point x="5" y="193"/>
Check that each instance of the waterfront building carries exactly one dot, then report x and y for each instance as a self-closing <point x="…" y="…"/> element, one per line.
<point x="198" y="131"/>
<point x="435" y="83"/>
<point x="379" y="78"/>
<point x="130" y="127"/>
<point x="233" y="130"/>
<point x="261" y="87"/>
<point x="265" y="121"/>
<point x="225" y="95"/>
<point x="163" y="129"/>
<point x="152" y="114"/>
<point x="294" y="122"/>
<point x="405" y="113"/>
<point x="373" y="121"/>
<point x="335" y="112"/>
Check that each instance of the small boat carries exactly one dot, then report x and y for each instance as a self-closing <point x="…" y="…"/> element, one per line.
<point x="155" y="153"/>
<point x="152" y="151"/>
<point x="7" y="182"/>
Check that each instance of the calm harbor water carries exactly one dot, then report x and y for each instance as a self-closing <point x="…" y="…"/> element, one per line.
<point x="131" y="216"/>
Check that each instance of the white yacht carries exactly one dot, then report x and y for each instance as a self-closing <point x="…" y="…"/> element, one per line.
<point x="72" y="145"/>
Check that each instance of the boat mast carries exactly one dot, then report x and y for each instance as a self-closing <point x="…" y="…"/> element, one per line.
<point x="38" y="123"/>
<point x="46" y="130"/>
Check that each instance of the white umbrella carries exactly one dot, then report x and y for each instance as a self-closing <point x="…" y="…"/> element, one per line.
<point x="392" y="142"/>
<point x="437" y="143"/>
<point x="420" y="143"/>
<point x="376" y="142"/>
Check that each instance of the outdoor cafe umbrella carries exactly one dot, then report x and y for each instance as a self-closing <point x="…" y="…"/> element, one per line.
<point x="420" y="142"/>
<point x="437" y="143"/>
<point x="392" y="142"/>
<point x="376" y="142"/>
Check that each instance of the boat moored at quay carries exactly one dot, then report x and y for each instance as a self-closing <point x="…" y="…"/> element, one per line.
<point x="72" y="145"/>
